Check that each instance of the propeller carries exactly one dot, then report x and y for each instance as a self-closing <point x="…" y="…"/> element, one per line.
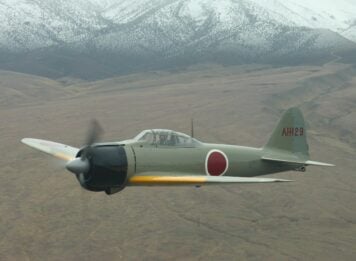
<point x="81" y="165"/>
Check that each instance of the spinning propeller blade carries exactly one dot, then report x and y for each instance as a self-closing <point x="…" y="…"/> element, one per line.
<point x="81" y="165"/>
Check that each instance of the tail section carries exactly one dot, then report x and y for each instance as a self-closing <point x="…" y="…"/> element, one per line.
<point x="290" y="135"/>
<point x="288" y="143"/>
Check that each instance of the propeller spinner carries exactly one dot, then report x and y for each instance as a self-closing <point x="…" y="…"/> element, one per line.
<point x="100" y="167"/>
<point x="81" y="165"/>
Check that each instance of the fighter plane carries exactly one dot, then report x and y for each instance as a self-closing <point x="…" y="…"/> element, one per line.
<point x="159" y="157"/>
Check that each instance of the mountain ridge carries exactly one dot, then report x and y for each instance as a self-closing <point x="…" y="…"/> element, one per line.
<point x="121" y="36"/>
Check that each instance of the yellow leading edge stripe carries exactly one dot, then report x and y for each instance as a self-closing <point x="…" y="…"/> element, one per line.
<point x="63" y="156"/>
<point x="166" y="180"/>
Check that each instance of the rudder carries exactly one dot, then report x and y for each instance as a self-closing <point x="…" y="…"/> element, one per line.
<point x="290" y="135"/>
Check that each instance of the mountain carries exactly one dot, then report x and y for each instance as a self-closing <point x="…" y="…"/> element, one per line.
<point x="93" y="39"/>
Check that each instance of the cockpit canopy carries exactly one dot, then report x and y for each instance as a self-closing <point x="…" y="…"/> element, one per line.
<point x="163" y="137"/>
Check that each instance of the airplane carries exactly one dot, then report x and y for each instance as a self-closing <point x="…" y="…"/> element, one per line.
<point x="161" y="157"/>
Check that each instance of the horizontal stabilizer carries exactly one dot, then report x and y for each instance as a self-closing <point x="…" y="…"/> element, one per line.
<point x="58" y="150"/>
<point x="301" y="162"/>
<point x="163" y="179"/>
<point x="317" y="163"/>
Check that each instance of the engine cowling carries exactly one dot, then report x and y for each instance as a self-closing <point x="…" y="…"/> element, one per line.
<point x="107" y="169"/>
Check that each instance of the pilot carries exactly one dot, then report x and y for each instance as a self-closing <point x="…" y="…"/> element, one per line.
<point x="171" y="140"/>
<point x="162" y="139"/>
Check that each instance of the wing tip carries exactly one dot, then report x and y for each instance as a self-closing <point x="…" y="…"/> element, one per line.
<point x="29" y="141"/>
<point x="25" y="140"/>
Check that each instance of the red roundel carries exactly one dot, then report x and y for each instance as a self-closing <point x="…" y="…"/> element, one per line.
<point x="216" y="163"/>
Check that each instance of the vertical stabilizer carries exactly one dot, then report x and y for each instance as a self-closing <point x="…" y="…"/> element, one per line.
<point x="290" y="135"/>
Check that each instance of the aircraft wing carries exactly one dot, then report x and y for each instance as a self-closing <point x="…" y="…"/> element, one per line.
<point x="58" y="150"/>
<point x="164" y="179"/>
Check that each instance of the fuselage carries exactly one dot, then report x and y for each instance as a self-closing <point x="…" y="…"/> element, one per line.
<point x="236" y="160"/>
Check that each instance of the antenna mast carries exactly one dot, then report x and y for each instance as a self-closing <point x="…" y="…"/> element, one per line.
<point x="192" y="128"/>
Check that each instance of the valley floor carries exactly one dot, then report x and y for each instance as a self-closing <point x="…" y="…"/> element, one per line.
<point x="46" y="215"/>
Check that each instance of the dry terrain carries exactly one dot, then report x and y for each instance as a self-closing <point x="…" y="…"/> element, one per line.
<point x="45" y="215"/>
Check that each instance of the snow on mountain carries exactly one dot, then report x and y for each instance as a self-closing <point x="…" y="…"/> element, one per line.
<point x="327" y="14"/>
<point x="334" y="15"/>
<point x="33" y="24"/>
<point x="123" y="33"/>
<point x="174" y="26"/>
<point x="121" y="12"/>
